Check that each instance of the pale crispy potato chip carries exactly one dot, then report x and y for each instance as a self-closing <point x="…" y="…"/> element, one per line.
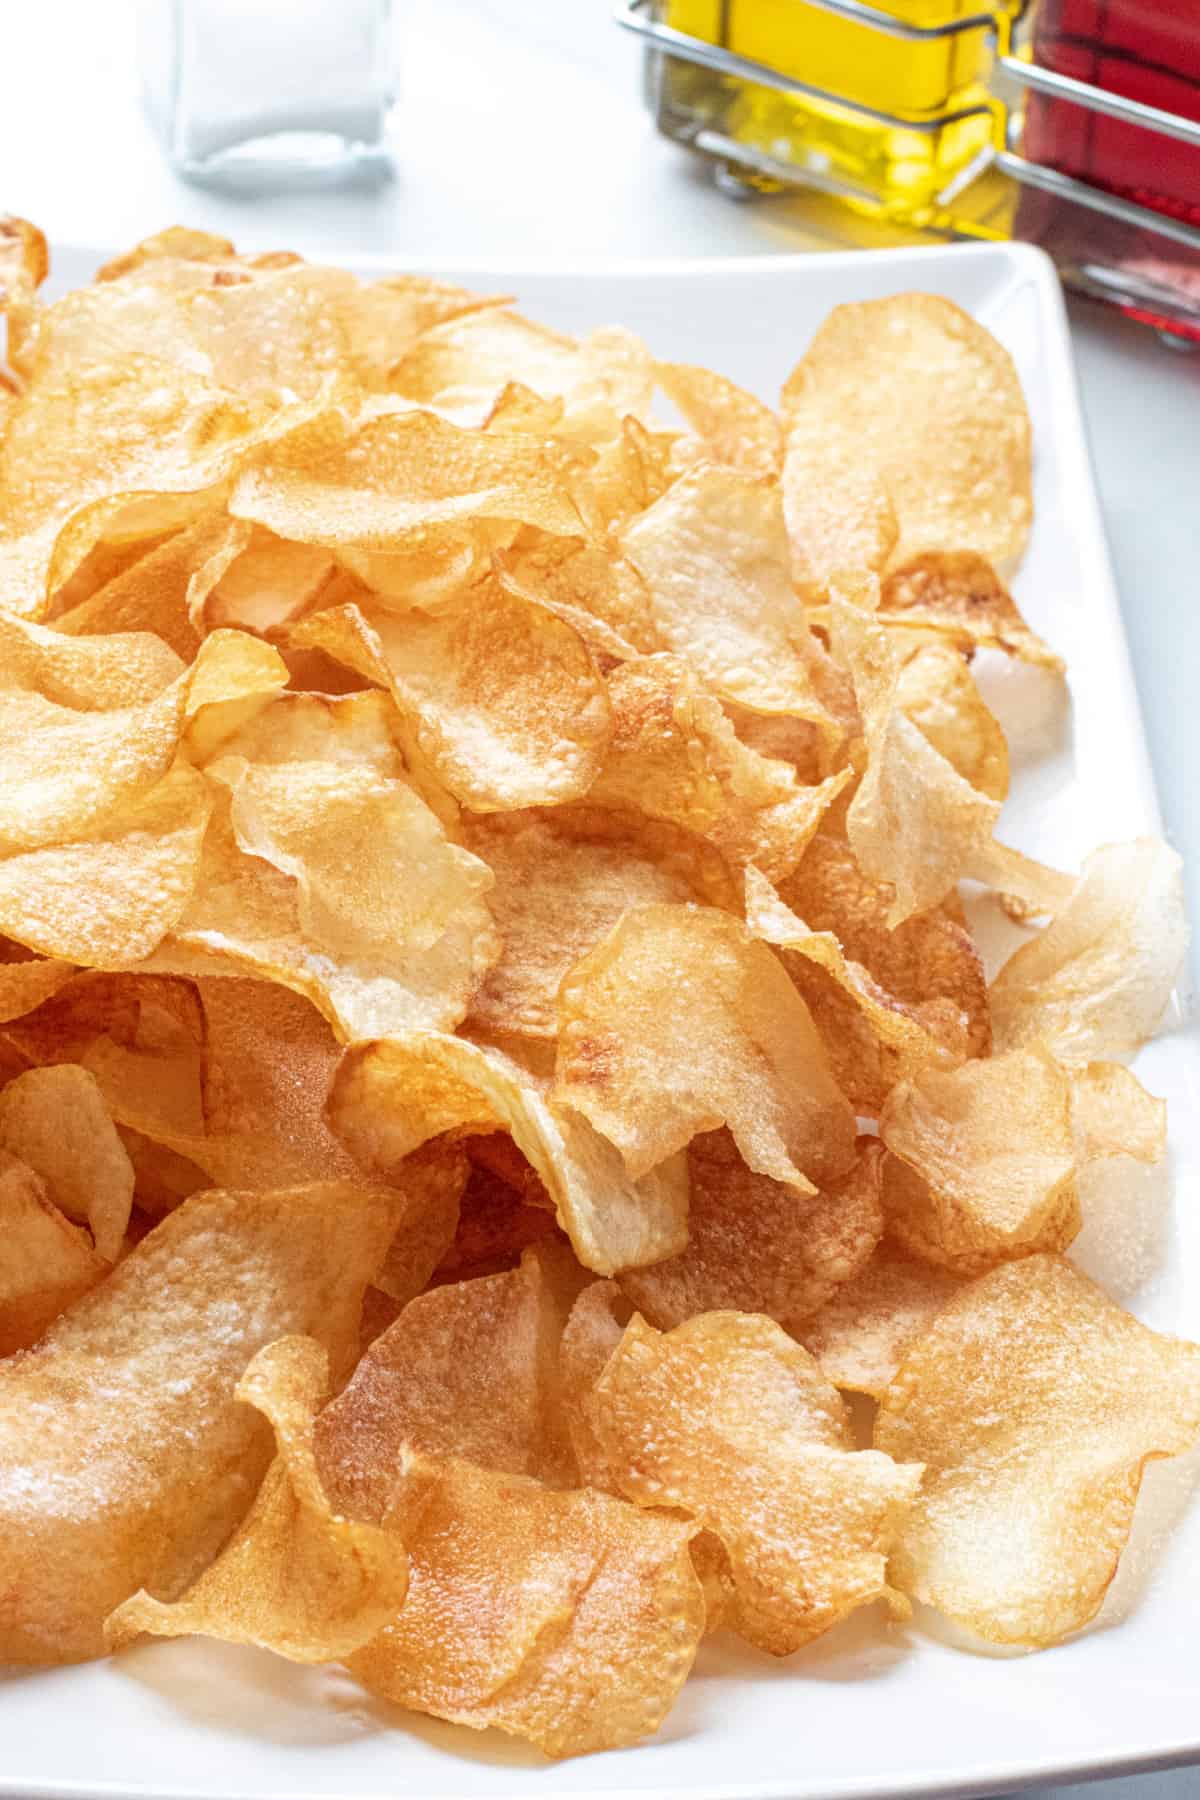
<point x="1113" y="1115"/>
<point x="384" y="320"/>
<point x="936" y="691"/>
<point x="729" y="1421"/>
<point x="111" y="899"/>
<point x="432" y="1181"/>
<point x="46" y="1263"/>
<point x="756" y="1246"/>
<point x="389" y="1098"/>
<point x="1035" y="1403"/>
<point x="924" y="399"/>
<point x="296" y="1577"/>
<point x="157" y="591"/>
<point x="594" y="1329"/>
<point x="570" y="1619"/>
<point x="862" y="1333"/>
<point x="914" y="822"/>
<point x="55" y="1121"/>
<point x="1096" y="981"/>
<point x="464" y="364"/>
<point x="733" y="427"/>
<point x="602" y="596"/>
<point x="984" y="1161"/>
<point x="840" y="521"/>
<point x="500" y="698"/>
<point x="959" y="595"/>
<point x="261" y="585"/>
<point x="713" y="554"/>
<point x="678" y="1022"/>
<point x="126" y="1459"/>
<point x="564" y="876"/>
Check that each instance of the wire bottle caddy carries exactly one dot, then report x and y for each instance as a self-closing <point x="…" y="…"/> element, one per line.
<point x="1073" y="124"/>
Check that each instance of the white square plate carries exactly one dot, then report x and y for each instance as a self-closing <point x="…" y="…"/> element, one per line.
<point x="869" y="1711"/>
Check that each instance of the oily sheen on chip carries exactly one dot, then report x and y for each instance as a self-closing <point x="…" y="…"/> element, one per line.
<point x="491" y="1048"/>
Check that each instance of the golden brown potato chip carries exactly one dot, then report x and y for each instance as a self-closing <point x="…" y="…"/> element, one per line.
<point x="25" y="985"/>
<point x="432" y="1182"/>
<point x="495" y="1225"/>
<point x="496" y="695"/>
<point x="570" y="1619"/>
<point x="384" y="320"/>
<point x="1095" y="982"/>
<point x="46" y="1263"/>
<point x="960" y="595"/>
<point x="261" y="584"/>
<point x="862" y="1333"/>
<point x="56" y="1122"/>
<point x="936" y="690"/>
<point x="110" y="899"/>
<point x="983" y="1161"/>
<point x="398" y="477"/>
<point x="733" y="427"/>
<point x="594" y="1328"/>
<point x="296" y="1577"/>
<point x="389" y="1098"/>
<point x="928" y="403"/>
<point x="564" y="876"/>
<point x="464" y="364"/>
<point x="155" y="592"/>
<point x="675" y="755"/>
<point x="678" y="1022"/>
<point x="732" y="1423"/>
<point x="465" y="1371"/>
<point x="884" y="1037"/>
<point x="713" y="554"/>
<point x="24" y="261"/>
<point x="757" y="1246"/>
<point x="600" y="595"/>
<point x="1035" y="1403"/>
<point x="125" y="1460"/>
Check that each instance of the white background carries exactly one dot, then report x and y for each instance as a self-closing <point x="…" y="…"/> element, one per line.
<point x="521" y="135"/>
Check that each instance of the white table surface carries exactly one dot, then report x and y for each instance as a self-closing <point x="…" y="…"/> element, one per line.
<point x="521" y="135"/>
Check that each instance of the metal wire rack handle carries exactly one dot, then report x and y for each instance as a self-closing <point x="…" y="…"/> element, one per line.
<point x="635" y="16"/>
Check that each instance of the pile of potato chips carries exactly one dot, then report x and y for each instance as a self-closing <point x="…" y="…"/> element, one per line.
<point x="491" y="1046"/>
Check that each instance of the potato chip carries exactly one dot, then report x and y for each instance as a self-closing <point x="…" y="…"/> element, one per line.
<point x="840" y="522"/>
<point x="1113" y="1115"/>
<point x="463" y="1372"/>
<point x="733" y="427"/>
<point x="110" y="899"/>
<point x="55" y="1121"/>
<point x="262" y="585"/>
<point x="384" y="320"/>
<point x="594" y="1328"/>
<point x="24" y="261"/>
<point x="756" y="1246"/>
<point x="986" y="1162"/>
<point x="1035" y="1403"/>
<point x="728" y="1420"/>
<point x="464" y="364"/>
<point x="925" y="400"/>
<point x="399" y="477"/>
<point x="570" y="1619"/>
<point x="936" y="691"/>
<point x="714" y="556"/>
<point x="861" y="1335"/>
<point x="674" y="755"/>
<point x="296" y="1577"/>
<point x="914" y="822"/>
<point x="389" y="1098"/>
<point x="1095" y="982"/>
<point x="126" y="1459"/>
<point x="601" y="596"/>
<point x="959" y="594"/>
<point x="496" y="695"/>
<point x="678" y="1022"/>
<point x="432" y="1182"/>
<point x="564" y="876"/>
<point x="25" y="985"/>
<point x="872" y="1035"/>
<point x="155" y="593"/>
<point x="46" y="1263"/>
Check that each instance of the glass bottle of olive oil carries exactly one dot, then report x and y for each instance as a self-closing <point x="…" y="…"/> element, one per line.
<point x="918" y="118"/>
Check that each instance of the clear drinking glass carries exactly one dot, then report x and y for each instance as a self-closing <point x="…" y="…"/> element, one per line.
<point x="269" y="92"/>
